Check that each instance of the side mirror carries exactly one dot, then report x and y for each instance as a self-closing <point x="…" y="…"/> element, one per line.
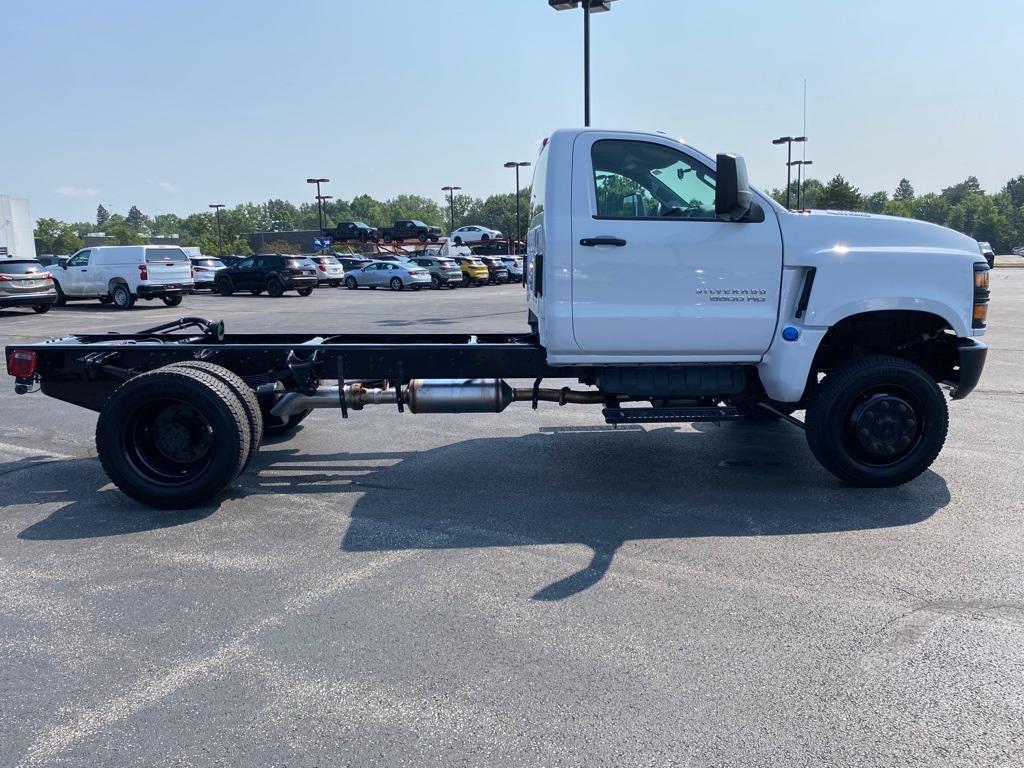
<point x="732" y="189"/>
<point x="64" y="265"/>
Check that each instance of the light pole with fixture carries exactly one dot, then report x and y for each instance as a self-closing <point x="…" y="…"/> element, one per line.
<point x="319" y="201"/>
<point x="800" y="181"/>
<point x="589" y="7"/>
<point x="789" y="141"/>
<point x="451" y="207"/>
<point x="517" y="166"/>
<point x="216" y="215"/>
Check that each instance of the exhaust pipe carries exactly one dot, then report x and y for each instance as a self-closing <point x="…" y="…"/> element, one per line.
<point x="433" y="396"/>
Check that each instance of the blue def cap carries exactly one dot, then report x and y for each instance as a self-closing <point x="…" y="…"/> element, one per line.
<point x="789" y="333"/>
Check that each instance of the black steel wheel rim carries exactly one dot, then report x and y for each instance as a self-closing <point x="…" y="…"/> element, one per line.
<point x="169" y="442"/>
<point x="883" y="425"/>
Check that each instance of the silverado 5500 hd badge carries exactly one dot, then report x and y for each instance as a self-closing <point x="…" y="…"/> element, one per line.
<point x="752" y="295"/>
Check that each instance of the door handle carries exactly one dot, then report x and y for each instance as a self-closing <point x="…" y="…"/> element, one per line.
<point x="617" y="241"/>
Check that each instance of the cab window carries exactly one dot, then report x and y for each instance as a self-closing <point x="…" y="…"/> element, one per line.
<point x="639" y="179"/>
<point x="80" y="259"/>
<point x="244" y="264"/>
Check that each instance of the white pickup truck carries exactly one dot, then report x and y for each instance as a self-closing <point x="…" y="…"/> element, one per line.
<point x="655" y="276"/>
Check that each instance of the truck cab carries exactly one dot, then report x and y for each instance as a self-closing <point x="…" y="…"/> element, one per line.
<point x="644" y="251"/>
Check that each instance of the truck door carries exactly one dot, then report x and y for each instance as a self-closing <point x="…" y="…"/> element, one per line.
<point x="653" y="270"/>
<point x="75" y="280"/>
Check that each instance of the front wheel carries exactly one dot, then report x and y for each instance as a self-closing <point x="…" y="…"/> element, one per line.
<point x="304" y="291"/>
<point x="422" y="237"/>
<point x="62" y="299"/>
<point x="224" y="287"/>
<point x="350" y="283"/>
<point x="171" y="301"/>
<point x="877" y="421"/>
<point x="396" y="283"/>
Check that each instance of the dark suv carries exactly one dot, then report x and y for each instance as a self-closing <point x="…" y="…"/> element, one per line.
<point x="274" y="273"/>
<point x="497" y="270"/>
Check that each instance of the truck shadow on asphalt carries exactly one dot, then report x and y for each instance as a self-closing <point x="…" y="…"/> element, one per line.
<point x="591" y="486"/>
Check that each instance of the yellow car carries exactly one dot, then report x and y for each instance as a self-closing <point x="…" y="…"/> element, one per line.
<point x="474" y="271"/>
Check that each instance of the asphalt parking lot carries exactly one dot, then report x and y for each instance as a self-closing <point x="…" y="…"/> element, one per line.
<point x="526" y="588"/>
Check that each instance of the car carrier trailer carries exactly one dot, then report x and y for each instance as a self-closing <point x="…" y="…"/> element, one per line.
<point x="752" y="312"/>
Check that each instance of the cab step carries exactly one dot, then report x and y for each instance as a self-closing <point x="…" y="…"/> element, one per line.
<point x="661" y="415"/>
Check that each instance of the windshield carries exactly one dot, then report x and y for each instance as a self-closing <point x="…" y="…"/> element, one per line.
<point x="20" y="267"/>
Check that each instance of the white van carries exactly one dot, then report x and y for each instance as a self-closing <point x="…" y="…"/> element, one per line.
<point x="120" y="274"/>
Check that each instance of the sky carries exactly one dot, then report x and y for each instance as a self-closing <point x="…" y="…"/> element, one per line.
<point x="174" y="105"/>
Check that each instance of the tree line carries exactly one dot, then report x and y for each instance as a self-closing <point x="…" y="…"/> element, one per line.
<point x="200" y="229"/>
<point x="997" y="218"/>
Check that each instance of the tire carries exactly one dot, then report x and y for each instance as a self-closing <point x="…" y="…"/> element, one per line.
<point x="350" y="283"/>
<point x="435" y="282"/>
<point x="62" y="299"/>
<point x="245" y="396"/>
<point x="422" y="237"/>
<point x="305" y="291"/>
<point x="877" y="421"/>
<point x="122" y="297"/>
<point x="275" y="427"/>
<point x="225" y="287"/>
<point x="180" y="465"/>
<point x="171" y="301"/>
<point x="275" y="287"/>
<point x="485" y="238"/>
<point x="41" y="309"/>
<point x="396" y="284"/>
<point x="458" y="239"/>
<point x="387" y="237"/>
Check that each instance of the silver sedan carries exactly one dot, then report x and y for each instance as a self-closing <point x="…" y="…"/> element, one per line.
<point x="394" y="275"/>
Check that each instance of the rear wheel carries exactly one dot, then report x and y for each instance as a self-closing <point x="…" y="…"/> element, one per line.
<point x="275" y="287"/>
<point x="122" y="297"/>
<point x="172" y="437"/>
<point x="171" y="301"/>
<point x="41" y="309"/>
<point x="242" y="391"/>
<point x="435" y="282"/>
<point x="396" y="283"/>
<point x="458" y="240"/>
<point x="350" y="283"/>
<point x="877" y="421"/>
<point x="305" y="291"/>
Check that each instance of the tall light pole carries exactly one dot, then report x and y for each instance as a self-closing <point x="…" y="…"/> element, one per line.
<point x="216" y="215"/>
<point x="517" y="166"/>
<point x="789" y="141"/>
<point x="589" y="7"/>
<point x="319" y="201"/>
<point x="800" y="181"/>
<point x="451" y="206"/>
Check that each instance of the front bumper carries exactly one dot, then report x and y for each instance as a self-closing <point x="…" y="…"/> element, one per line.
<point x="971" y="362"/>
<point x="28" y="299"/>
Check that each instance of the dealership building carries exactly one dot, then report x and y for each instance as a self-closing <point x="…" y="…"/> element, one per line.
<point x="16" y="229"/>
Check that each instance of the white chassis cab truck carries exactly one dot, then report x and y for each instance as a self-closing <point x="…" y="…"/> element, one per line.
<point x="655" y="276"/>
